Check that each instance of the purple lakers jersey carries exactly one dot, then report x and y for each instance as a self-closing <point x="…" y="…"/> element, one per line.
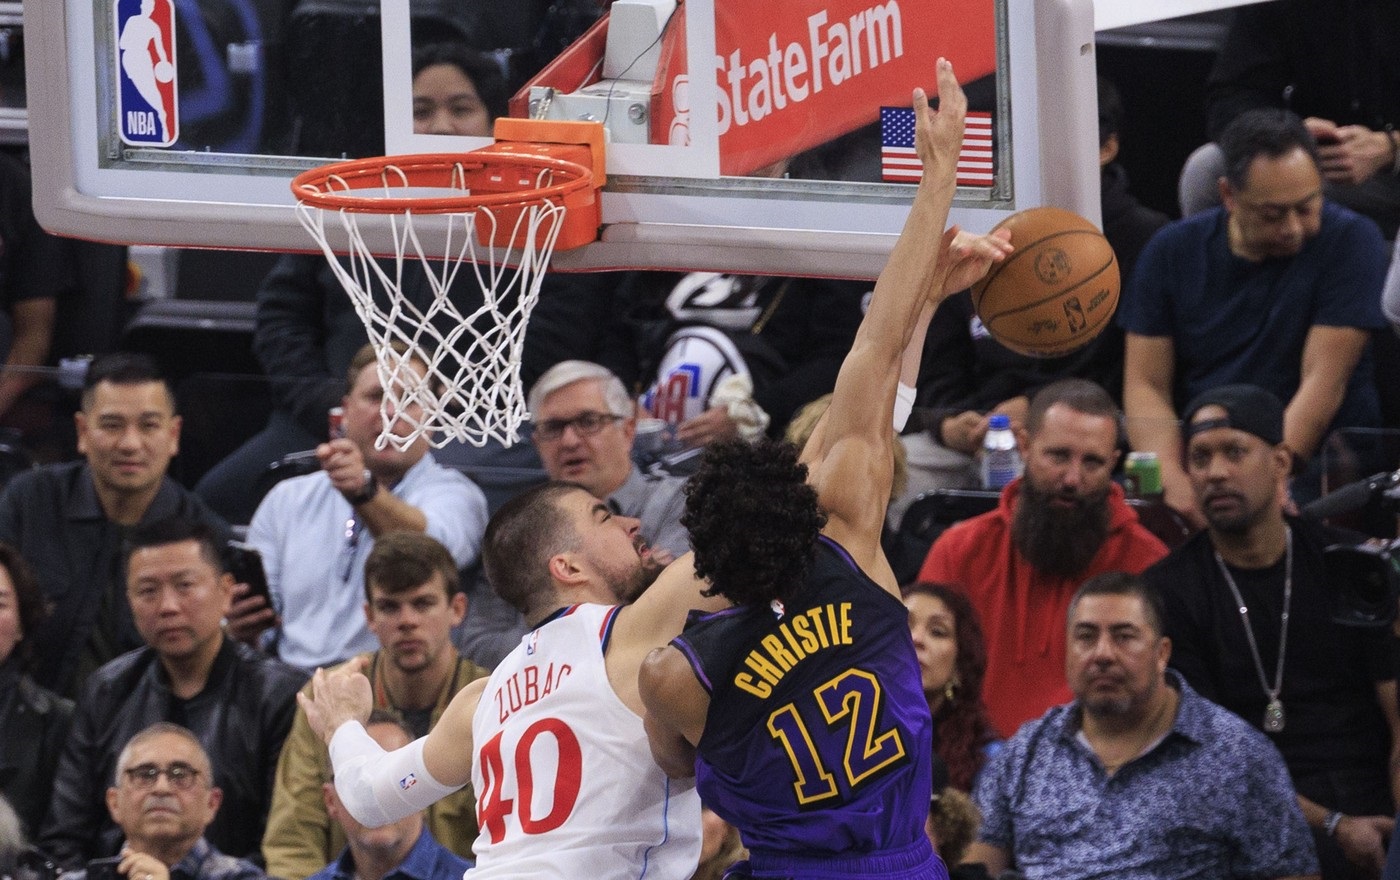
<point x="818" y="738"/>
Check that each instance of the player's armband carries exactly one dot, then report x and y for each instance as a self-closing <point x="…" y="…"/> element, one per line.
<point x="380" y="787"/>
<point x="903" y="405"/>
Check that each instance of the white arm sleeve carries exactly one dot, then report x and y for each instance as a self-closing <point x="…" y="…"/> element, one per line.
<point x="903" y="405"/>
<point x="380" y="787"/>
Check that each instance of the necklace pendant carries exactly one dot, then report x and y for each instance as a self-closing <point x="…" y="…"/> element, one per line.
<point x="1273" y="717"/>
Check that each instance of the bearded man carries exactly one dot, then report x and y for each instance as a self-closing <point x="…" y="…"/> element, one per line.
<point x="1059" y="525"/>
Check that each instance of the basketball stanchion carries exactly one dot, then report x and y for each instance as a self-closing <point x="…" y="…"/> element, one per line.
<point x="483" y="226"/>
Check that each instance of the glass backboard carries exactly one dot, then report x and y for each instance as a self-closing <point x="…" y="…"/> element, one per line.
<point x="760" y="138"/>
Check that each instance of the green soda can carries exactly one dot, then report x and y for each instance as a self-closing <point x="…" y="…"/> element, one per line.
<point x="1144" y="473"/>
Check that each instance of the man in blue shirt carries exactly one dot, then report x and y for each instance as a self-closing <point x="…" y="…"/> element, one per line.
<point x="1277" y="287"/>
<point x="402" y="850"/>
<point x="1139" y="777"/>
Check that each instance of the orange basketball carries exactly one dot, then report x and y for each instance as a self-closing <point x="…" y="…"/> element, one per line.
<point x="1056" y="292"/>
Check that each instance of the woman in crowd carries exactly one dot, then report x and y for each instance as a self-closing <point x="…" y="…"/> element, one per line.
<point x="952" y="660"/>
<point x="33" y="721"/>
<point x="456" y="91"/>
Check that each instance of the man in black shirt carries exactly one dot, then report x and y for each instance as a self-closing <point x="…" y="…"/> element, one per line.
<point x="1249" y="614"/>
<point x="68" y="520"/>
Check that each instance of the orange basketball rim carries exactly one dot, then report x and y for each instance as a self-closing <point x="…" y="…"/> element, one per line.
<point x="533" y="164"/>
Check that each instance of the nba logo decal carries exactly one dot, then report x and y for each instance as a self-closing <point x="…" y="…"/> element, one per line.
<point x="1074" y="314"/>
<point x="408" y="782"/>
<point x="146" y="103"/>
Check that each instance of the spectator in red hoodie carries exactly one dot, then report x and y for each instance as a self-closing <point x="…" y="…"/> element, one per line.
<point x="1062" y="523"/>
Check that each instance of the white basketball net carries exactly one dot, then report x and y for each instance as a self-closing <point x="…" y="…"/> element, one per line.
<point x="471" y="391"/>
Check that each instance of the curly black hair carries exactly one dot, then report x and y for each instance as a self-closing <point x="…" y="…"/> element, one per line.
<point x="753" y="520"/>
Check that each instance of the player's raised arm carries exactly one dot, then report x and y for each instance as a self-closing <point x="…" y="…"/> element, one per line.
<point x="379" y="787"/>
<point x="849" y="452"/>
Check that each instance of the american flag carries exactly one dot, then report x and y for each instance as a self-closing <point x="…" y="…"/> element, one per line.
<point x="899" y="161"/>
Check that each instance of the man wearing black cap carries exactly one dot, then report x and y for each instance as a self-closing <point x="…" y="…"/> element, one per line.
<point x="1250" y="619"/>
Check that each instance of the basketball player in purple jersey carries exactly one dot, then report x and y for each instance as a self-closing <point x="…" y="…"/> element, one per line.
<point x="800" y="709"/>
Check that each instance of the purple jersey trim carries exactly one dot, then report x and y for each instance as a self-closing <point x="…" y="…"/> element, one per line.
<point x="840" y="551"/>
<point x="695" y="665"/>
<point x="905" y="861"/>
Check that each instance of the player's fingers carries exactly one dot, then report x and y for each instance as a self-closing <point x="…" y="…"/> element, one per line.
<point x="951" y="99"/>
<point x="993" y="247"/>
<point x="920" y="103"/>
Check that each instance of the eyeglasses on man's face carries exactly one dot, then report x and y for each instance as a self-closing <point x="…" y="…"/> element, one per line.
<point x="587" y="424"/>
<point x="181" y="775"/>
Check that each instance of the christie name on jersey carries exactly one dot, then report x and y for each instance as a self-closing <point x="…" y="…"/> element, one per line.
<point x="816" y="629"/>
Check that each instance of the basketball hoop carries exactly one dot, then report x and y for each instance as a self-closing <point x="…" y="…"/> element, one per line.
<point x="498" y="213"/>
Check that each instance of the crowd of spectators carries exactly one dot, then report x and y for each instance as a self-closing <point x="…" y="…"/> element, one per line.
<point x="1103" y="702"/>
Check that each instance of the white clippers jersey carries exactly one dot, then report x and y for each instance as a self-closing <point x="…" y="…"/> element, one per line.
<point x="564" y="779"/>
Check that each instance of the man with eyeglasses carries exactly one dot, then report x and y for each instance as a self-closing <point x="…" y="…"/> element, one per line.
<point x="237" y="703"/>
<point x="315" y="532"/>
<point x="584" y="424"/>
<point x="163" y="798"/>
<point x="1277" y="287"/>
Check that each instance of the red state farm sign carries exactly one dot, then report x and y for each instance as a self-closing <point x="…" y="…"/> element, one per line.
<point x="793" y="74"/>
<point x="796" y="74"/>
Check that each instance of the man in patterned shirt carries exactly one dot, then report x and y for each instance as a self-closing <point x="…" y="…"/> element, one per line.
<point x="1139" y="776"/>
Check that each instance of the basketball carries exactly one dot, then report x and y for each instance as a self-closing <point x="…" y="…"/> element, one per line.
<point x="165" y="71"/>
<point x="1056" y="291"/>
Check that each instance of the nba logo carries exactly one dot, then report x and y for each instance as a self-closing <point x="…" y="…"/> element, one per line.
<point x="1074" y="314"/>
<point x="146" y="107"/>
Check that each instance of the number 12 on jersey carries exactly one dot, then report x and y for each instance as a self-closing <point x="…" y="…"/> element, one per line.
<point x="851" y="699"/>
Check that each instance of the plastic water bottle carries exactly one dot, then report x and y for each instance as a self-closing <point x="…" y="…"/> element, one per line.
<point x="1001" y="462"/>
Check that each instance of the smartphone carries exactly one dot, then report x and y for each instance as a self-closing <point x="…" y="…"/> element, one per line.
<point x="104" y="869"/>
<point x="245" y="564"/>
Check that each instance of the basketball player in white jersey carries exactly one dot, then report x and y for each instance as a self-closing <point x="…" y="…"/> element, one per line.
<point x="554" y="740"/>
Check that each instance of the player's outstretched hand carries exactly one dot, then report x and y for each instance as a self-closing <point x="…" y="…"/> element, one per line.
<point x="938" y="134"/>
<point x="340" y="695"/>
<point x="968" y="257"/>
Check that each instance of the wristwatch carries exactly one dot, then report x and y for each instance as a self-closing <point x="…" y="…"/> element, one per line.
<point x="367" y="491"/>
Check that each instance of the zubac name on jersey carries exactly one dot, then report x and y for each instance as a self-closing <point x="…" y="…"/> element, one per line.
<point x="814" y="630"/>
<point x="527" y="686"/>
